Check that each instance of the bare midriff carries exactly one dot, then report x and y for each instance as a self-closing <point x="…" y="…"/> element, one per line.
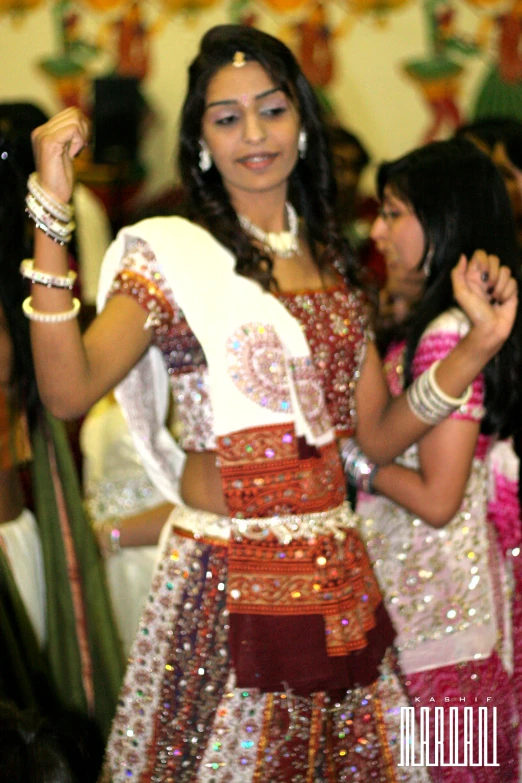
<point x="201" y="483"/>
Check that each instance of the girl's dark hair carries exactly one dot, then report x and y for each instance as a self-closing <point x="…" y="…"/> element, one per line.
<point x="15" y="243"/>
<point x="461" y="201"/>
<point x="59" y="747"/>
<point x="312" y="187"/>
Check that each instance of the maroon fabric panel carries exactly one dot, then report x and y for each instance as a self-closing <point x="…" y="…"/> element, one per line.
<point x="273" y="653"/>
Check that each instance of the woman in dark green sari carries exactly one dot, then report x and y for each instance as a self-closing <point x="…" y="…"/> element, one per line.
<point x="58" y="640"/>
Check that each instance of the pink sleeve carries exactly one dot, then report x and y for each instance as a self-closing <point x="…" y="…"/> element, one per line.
<point x="436" y="344"/>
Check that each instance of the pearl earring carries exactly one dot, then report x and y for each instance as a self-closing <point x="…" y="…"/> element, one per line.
<point x="302" y="143"/>
<point x="205" y="158"/>
<point x="426" y="264"/>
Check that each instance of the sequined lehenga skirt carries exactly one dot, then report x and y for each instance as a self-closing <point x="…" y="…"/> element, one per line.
<point x="182" y="719"/>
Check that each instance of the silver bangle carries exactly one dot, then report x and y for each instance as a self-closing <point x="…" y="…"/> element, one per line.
<point x="358" y="469"/>
<point x="28" y="271"/>
<point x="38" y="315"/>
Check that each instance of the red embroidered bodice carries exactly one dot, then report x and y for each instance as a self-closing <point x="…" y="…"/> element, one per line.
<point x="264" y="472"/>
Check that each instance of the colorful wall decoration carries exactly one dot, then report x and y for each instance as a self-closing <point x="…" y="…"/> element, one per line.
<point x="397" y="72"/>
<point x="438" y="73"/>
<point x="123" y="40"/>
<point x="500" y="93"/>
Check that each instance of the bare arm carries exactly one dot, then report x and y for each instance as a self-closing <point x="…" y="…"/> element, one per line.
<point x="385" y="427"/>
<point x="141" y="529"/>
<point x="144" y="529"/>
<point x="435" y="492"/>
<point x="74" y="371"/>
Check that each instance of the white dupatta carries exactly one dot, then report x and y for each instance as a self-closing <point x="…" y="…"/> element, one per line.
<point x="221" y="308"/>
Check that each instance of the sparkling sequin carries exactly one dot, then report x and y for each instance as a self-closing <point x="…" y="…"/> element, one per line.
<point x="271" y="478"/>
<point x="256" y="364"/>
<point x="437" y="583"/>
<point x="181" y="718"/>
<point x="336" y="324"/>
<point x="178" y="730"/>
<point x="336" y="327"/>
<point x="193" y="417"/>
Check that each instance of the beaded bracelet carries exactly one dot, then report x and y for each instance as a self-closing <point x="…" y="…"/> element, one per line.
<point x="38" y="315"/>
<point x="114" y="537"/>
<point x="60" y="227"/>
<point x="108" y="533"/>
<point x="42" y="225"/>
<point x="54" y="228"/>
<point x="44" y="278"/>
<point x="58" y="209"/>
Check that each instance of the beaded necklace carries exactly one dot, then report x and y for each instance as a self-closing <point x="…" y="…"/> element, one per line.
<point x="283" y="243"/>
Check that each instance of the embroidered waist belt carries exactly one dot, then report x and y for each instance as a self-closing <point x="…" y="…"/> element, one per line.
<point x="284" y="528"/>
<point x="305" y="610"/>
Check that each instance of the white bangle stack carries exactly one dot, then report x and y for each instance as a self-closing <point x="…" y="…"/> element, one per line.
<point x="428" y="402"/>
<point x="60" y="210"/>
<point x="51" y="216"/>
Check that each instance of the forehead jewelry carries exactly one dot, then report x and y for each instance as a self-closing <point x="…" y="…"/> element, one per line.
<point x="239" y="59"/>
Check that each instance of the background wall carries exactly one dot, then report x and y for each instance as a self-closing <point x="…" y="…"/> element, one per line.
<point x="369" y="91"/>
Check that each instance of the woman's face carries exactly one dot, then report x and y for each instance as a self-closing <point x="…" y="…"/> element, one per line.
<point x="398" y="234"/>
<point x="251" y="127"/>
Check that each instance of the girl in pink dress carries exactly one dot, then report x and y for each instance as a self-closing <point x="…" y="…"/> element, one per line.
<point x="443" y="530"/>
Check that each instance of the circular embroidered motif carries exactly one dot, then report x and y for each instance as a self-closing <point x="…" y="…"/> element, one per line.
<point x="256" y="364"/>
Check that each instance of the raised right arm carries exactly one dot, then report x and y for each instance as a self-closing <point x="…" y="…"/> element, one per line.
<point x="385" y="426"/>
<point x="74" y="371"/>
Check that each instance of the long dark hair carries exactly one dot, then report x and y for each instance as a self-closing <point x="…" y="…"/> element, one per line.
<point x="14" y="246"/>
<point x="461" y="201"/>
<point x="55" y="747"/>
<point x="311" y="187"/>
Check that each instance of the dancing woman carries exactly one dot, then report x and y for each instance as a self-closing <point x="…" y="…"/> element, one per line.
<point x="262" y="653"/>
<point x="443" y="532"/>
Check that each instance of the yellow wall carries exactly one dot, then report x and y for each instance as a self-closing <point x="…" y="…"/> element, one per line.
<point x="371" y="95"/>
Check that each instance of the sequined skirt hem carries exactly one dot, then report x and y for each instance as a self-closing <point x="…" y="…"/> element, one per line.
<point x="181" y="717"/>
